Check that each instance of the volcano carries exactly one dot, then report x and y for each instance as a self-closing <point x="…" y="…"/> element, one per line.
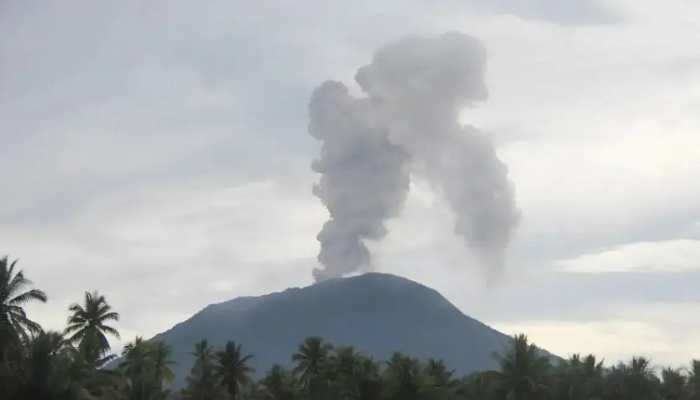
<point x="378" y="314"/>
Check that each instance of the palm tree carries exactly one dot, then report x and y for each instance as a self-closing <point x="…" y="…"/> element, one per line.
<point x="203" y="354"/>
<point x="344" y="364"/>
<point x="201" y="384"/>
<point x="137" y="366"/>
<point x="310" y="358"/>
<point x="694" y="379"/>
<point x="672" y="383"/>
<point x="14" y="324"/>
<point x="615" y="382"/>
<point x="161" y="354"/>
<point x="523" y="370"/>
<point x="440" y="382"/>
<point x="341" y="371"/>
<point x="578" y="379"/>
<point x="405" y="379"/>
<point x="594" y="372"/>
<point x="50" y="371"/>
<point x="641" y="381"/>
<point x="232" y="369"/>
<point x="567" y="379"/>
<point x="368" y="382"/>
<point x="479" y="386"/>
<point x="436" y="369"/>
<point x="88" y="329"/>
<point x="277" y="384"/>
<point x="632" y="381"/>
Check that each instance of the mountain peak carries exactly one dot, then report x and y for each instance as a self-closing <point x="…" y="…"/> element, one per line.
<point x="377" y="313"/>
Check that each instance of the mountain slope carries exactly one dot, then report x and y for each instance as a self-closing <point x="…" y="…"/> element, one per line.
<point x="376" y="313"/>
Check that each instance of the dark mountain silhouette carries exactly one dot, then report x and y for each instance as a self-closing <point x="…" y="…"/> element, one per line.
<point x="376" y="313"/>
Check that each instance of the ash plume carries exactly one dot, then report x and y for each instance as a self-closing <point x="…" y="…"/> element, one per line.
<point x="408" y="124"/>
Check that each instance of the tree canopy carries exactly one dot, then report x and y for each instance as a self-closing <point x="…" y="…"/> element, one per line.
<point x="40" y="364"/>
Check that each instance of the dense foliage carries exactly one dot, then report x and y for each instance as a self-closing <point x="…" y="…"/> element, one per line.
<point x="70" y="365"/>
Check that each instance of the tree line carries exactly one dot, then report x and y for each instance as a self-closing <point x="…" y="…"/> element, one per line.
<point x="74" y="364"/>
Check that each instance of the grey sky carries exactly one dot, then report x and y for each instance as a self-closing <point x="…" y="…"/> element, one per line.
<point x="157" y="151"/>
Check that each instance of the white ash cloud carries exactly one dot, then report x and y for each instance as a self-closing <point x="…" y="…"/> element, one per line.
<point x="408" y="124"/>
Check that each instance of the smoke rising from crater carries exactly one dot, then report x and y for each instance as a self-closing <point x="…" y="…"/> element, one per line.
<point x="408" y="124"/>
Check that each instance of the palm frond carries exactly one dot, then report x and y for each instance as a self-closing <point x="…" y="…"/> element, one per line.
<point x="111" y="331"/>
<point x="26" y="323"/>
<point x="105" y="360"/>
<point x="78" y="336"/>
<point x="76" y="308"/>
<point x="34" y="294"/>
<point x="102" y="307"/>
<point x="72" y="328"/>
<point x="112" y="316"/>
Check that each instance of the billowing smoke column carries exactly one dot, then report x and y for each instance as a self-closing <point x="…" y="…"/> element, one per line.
<point x="408" y="123"/>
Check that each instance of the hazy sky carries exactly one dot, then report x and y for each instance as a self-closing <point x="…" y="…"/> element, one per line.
<point x="157" y="151"/>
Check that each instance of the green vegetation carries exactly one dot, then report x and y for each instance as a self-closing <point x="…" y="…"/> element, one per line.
<point x="70" y="365"/>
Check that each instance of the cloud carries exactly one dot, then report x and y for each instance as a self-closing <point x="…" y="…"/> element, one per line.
<point x="665" y="257"/>
<point x="566" y="12"/>
<point x="659" y="330"/>
<point x="172" y="250"/>
<point x="616" y="340"/>
<point x="166" y="142"/>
